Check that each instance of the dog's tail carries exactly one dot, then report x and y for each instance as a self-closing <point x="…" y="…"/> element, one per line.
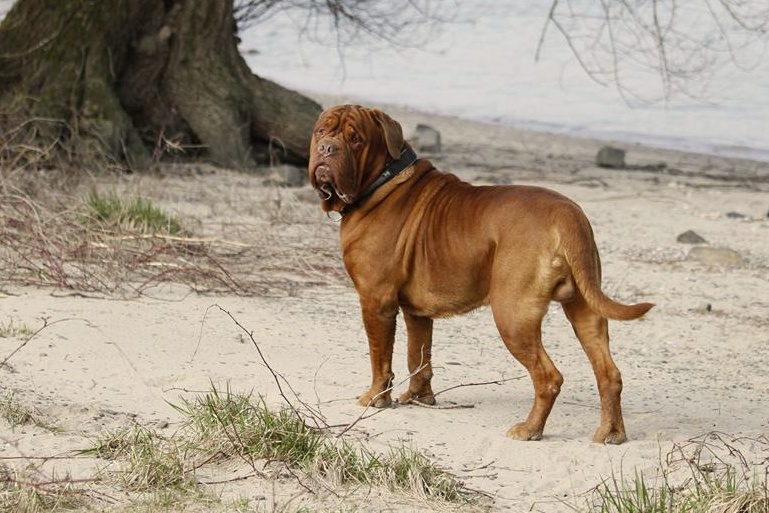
<point x="586" y="270"/>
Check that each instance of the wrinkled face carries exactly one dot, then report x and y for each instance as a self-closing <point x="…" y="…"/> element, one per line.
<point x="350" y="147"/>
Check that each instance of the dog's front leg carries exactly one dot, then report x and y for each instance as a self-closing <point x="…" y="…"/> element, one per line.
<point x="379" y="321"/>
<point x="420" y="340"/>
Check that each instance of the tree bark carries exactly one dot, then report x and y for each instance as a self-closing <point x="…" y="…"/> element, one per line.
<point x="131" y="81"/>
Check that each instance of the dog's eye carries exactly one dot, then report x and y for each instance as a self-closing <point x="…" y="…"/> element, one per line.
<point x="355" y="138"/>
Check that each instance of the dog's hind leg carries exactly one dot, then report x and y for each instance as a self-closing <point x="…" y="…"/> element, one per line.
<point x="592" y="330"/>
<point x="520" y="327"/>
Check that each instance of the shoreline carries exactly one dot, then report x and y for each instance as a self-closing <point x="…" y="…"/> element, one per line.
<point x="526" y="147"/>
<point x="671" y="143"/>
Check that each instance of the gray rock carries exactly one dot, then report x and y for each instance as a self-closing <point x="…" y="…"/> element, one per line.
<point x="307" y="195"/>
<point x="286" y="175"/>
<point x="714" y="256"/>
<point x="426" y="138"/>
<point x="691" y="237"/>
<point x="610" y="157"/>
<point x="292" y="176"/>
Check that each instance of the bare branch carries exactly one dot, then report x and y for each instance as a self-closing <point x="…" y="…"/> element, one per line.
<point x="680" y="45"/>
<point x="397" y="23"/>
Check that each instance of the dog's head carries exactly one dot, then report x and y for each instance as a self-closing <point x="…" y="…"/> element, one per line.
<point x="350" y="147"/>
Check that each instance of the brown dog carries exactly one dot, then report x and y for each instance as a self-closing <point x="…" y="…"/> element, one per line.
<point x="426" y="243"/>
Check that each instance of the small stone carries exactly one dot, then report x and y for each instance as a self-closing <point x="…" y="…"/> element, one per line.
<point x="307" y="195"/>
<point x="714" y="256"/>
<point x="610" y="157"/>
<point x="283" y="175"/>
<point x="292" y="176"/>
<point x="705" y="308"/>
<point x="736" y="215"/>
<point x="164" y="34"/>
<point x="501" y="180"/>
<point x="426" y="139"/>
<point x="161" y="424"/>
<point x="691" y="237"/>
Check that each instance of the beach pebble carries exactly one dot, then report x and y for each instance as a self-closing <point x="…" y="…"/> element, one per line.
<point x="307" y="195"/>
<point x="610" y="157"/>
<point x="426" y="138"/>
<point x="286" y="175"/>
<point x="691" y="237"/>
<point x="708" y="255"/>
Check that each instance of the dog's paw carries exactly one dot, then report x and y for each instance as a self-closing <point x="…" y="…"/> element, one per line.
<point x="375" y="399"/>
<point x="522" y="432"/>
<point x="423" y="398"/>
<point x="613" y="436"/>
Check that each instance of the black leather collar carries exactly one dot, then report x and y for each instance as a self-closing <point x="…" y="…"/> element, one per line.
<point x="391" y="170"/>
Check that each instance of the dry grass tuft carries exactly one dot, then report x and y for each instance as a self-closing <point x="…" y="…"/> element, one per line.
<point x="710" y="474"/>
<point x="24" y="493"/>
<point x="14" y="329"/>
<point x="16" y="413"/>
<point x="223" y="424"/>
<point x="149" y="461"/>
<point x="55" y="231"/>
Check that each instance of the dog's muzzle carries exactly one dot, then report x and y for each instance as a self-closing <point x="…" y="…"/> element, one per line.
<point x="326" y="187"/>
<point x="322" y="180"/>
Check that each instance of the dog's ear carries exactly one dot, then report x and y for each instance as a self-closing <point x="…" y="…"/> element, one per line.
<point x="393" y="133"/>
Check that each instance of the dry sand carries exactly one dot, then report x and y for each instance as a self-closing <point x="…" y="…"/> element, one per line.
<point x="696" y="364"/>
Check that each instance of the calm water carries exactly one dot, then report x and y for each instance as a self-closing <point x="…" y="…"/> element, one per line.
<point x="482" y="66"/>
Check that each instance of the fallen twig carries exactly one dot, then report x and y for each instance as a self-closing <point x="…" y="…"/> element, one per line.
<point x="479" y="384"/>
<point x="33" y="335"/>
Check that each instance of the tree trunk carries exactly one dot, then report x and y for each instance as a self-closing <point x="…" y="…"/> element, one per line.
<point x="135" y="80"/>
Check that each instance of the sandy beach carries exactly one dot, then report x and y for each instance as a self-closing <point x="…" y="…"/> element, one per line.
<point x="695" y="364"/>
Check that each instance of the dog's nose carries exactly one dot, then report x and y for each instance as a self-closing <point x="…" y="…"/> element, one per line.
<point x="326" y="148"/>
